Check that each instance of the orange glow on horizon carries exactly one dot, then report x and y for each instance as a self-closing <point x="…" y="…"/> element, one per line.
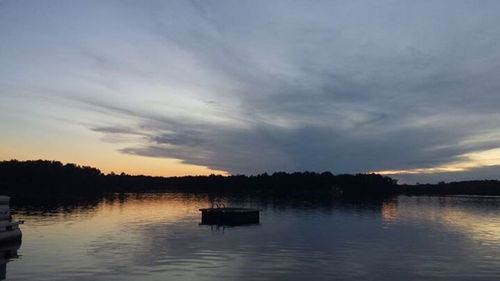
<point x="469" y="161"/>
<point x="136" y="165"/>
<point x="98" y="154"/>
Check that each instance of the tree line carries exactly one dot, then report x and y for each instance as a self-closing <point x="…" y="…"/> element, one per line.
<point x="53" y="177"/>
<point x="41" y="176"/>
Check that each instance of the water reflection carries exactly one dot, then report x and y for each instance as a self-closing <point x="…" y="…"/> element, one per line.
<point x="158" y="236"/>
<point x="474" y="216"/>
<point x="8" y="252"/>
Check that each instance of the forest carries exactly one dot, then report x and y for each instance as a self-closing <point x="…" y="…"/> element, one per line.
<point x="42" y="177"/>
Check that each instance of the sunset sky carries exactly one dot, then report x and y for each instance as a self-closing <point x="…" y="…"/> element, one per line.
<point x="409" y="89"/>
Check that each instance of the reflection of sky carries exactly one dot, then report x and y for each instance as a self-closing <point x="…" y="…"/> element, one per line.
<point x="158" y="237"/>
<point x="195" y="87"/>
<point x="475" y="217"/>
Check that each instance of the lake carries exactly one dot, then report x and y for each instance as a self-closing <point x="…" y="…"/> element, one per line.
<point x="157" y="236"/>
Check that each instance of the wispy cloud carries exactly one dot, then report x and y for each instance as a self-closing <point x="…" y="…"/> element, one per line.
<point x="258" y="86"/>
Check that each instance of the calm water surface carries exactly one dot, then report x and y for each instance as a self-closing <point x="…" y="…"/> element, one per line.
<point x="158" y="237"/>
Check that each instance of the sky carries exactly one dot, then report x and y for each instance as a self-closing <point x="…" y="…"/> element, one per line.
<point x="409" y="89"/>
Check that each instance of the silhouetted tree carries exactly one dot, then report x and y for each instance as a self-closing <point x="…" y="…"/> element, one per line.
<point x="42" y="177"/>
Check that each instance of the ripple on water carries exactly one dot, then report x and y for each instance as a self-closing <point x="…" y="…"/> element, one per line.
<point x="158" y="237"/>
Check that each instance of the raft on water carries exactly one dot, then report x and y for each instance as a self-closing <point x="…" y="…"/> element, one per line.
<point x="229" y="216"/>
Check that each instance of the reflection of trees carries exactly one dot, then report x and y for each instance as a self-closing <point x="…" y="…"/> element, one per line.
<point x="48" y="205"/>
<point x="58" y="203"/>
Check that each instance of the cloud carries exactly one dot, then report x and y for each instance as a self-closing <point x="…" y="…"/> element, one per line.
<point x="258" y="87"/>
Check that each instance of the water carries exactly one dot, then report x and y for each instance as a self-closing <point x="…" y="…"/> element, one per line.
<point x="158" y="237"/>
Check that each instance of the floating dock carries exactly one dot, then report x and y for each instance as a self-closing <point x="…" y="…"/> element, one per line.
<point x="229" y="216"/>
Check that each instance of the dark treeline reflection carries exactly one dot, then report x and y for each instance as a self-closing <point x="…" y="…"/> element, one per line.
<point x="40" y="178"/>
<point x="67" y="204"/>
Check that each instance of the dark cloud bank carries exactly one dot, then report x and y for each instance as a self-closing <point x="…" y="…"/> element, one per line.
<point x="344" y="87"/>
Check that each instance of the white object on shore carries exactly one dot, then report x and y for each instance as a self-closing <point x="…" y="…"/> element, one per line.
<point x="9" y="229"/>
